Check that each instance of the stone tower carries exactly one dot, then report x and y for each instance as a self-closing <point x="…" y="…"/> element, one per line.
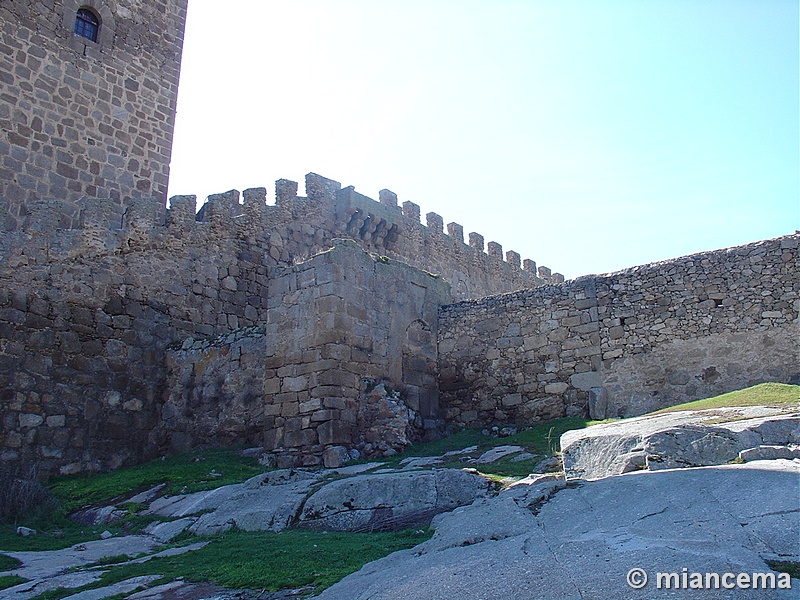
<point x="87" y="100"/>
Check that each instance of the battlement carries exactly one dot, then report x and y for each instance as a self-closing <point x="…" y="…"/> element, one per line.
<point x="298" y="226"/>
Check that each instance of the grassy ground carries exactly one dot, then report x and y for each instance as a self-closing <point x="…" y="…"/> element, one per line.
<point x="765" y="394"/>
<point x="7" y="581"/>
<point x="540" y="440"/>
<point x="289" y="559"/>
<point x="267" y="560"/>
<point x="184" y="473"/>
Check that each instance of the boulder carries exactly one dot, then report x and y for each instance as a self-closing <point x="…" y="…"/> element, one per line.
<point x="189" y="504"/>
<point x="675" y="439"/>
<point x="267" y="502"/>
<point x="165" y="531"/>
<point x="770" y="453"/>
<point x="98" y="516"/>
<point x="391" y="501"/>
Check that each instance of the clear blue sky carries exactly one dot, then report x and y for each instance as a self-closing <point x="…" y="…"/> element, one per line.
<point x="589" y="135"/>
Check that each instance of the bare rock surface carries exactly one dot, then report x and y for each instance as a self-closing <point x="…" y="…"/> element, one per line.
<point x="497" y="453"/>
<point x="266" y="502"/>
<point x="676" y="439"/>
<point x="578" y="540"/>
<point x="391" y="500"/>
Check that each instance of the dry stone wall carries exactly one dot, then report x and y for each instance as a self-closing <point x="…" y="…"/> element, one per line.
<point x="129" y="335"/>
<point x="625" y="343"/>
<point x="87" y="119"/>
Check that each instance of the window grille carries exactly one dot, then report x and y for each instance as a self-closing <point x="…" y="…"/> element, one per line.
<point x="87" y="24"/>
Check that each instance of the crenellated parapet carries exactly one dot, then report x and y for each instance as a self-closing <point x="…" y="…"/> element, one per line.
<point x="289" y="229"/>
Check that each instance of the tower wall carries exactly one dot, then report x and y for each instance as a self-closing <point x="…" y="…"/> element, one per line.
<point x="87" y="119"/>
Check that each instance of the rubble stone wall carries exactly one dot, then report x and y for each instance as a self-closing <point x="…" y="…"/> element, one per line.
<point x="86" y="315"/>
<point x="625" y="343"/>
<point x="214" y="391"/>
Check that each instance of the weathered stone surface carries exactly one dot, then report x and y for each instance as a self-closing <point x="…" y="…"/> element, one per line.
<point x="390" y="501"/>
<point x="770" y="453"/>
<point x="98" y="516"/>
<point x="520" y="545"/>
<point x="497" y="453"/>
<point x="189" y="504"/>
<point x="166" y="530"/>
<point x="626" y="343"/>
<point x="68" y="139"/>
<point x="268" y="502"/>
<point x="36" y="565"/>
<point x="676" y="439"/>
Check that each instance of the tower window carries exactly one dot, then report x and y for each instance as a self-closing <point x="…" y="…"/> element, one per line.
<point x="87" y="24"/>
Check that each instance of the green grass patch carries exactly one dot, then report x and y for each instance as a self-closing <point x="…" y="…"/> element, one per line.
<point x="542" y="440"/>
<point x="782" y="566"/>
<point x="57" y="531"/>
<point x="7" y="581"/>
<point x="274" y="561"/>
<point x="764" y="394"/>
<point x="184" y="473"/>
<point x="8" y="562"/>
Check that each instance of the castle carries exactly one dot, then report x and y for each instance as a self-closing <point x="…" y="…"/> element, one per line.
<point x="320" y="327"/>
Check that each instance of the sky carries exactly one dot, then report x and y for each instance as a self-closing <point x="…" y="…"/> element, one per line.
<point x="587" y="135"/>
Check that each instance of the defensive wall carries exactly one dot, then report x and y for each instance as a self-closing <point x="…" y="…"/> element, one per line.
<point x="88" y="312"/>
<point x="625" y="343"/>
<point x="163" y="329"/>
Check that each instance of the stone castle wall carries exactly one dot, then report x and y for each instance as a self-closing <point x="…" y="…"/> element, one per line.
<point x="86" y="315"/>
<point x="625" y="343"/>
<point x="88" y="312"/>
<point x="84" y="119"/>
<point x="473" y="269"/>
<point x="115" y="339"/>
<point x="337" y="324"/>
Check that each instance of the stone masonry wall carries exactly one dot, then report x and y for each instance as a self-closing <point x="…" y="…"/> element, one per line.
<point x="625" y="343"/>
<point x="84" y="119"/>
<point x="338" y="325"/>
<point x="86" y="315"/>
<point x="87" y="312"/>
<point x="214" y="391"/>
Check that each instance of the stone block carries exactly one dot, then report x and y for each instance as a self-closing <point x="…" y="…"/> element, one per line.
<point x="455" y="231"/>
<point x="388" y="198"/>
<point x="586" y="381"/>
<point x="302" y="438"/>
<point x="335" y="456"/>
<point x="512" y="400"/>
<point x="476" y="241"/>
<point x="339" y="377"/>
<point x="334" y="432"/>
<point x="294" y="384"/>
<point x="310" y="405"/>
<point x="556" y="388"/>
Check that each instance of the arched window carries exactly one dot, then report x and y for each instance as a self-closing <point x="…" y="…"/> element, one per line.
<point x="87" y="24"/>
